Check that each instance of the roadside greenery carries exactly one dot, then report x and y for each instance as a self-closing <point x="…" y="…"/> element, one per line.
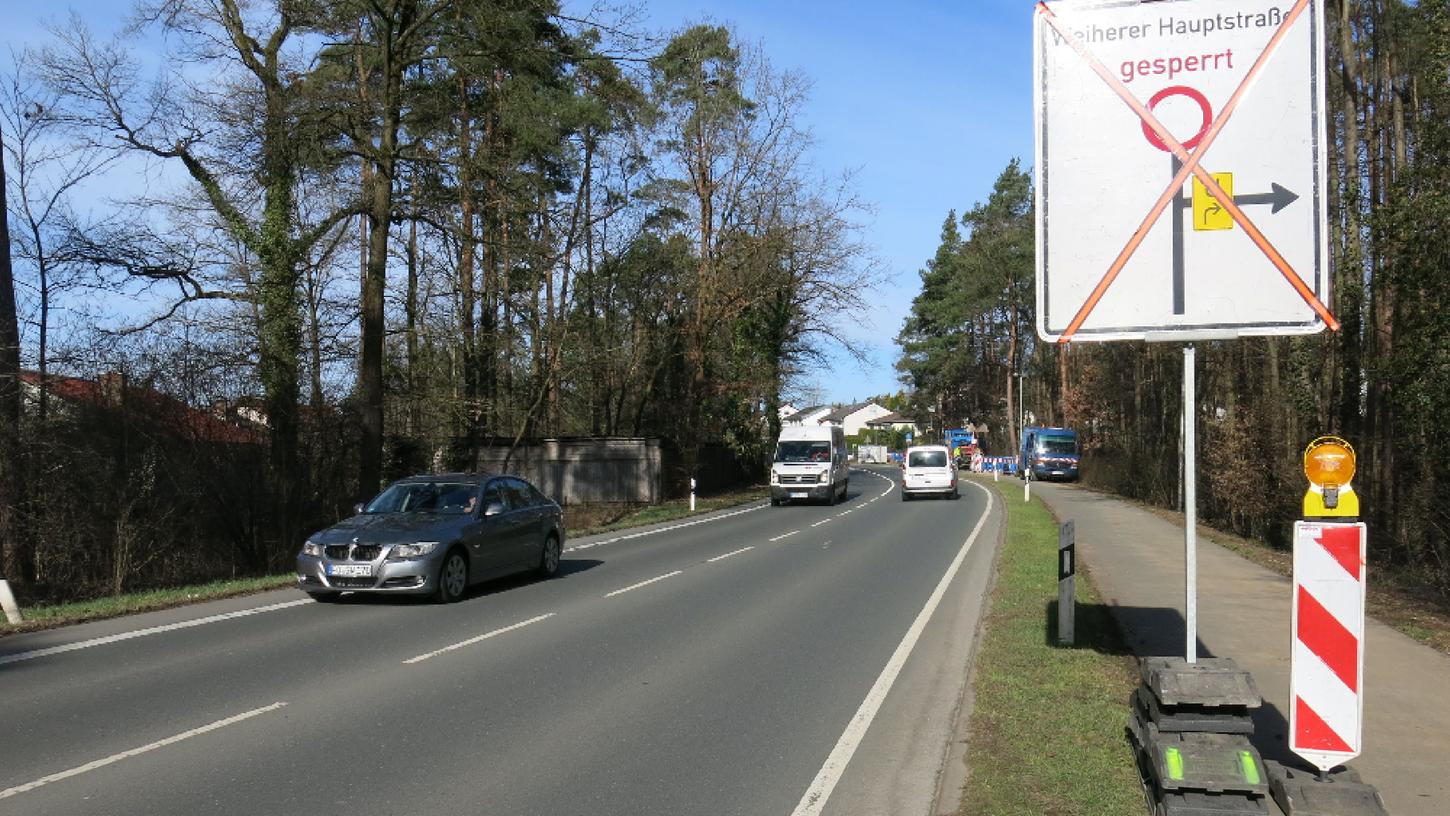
<point x="1047" y="722"/>
<point x="669" y="511"/>
<point x="49" y="616"/>
<point x="562" y="224"/>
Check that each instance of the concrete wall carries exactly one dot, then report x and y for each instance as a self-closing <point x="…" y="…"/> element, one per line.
<point x="579" y="471"/>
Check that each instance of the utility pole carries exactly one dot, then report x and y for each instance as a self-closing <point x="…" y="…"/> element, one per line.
<point x="1021" y="401"/>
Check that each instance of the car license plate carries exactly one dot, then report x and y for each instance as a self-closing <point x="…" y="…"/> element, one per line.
<point x="798" y="494"/>
<point x="353" y="570"/>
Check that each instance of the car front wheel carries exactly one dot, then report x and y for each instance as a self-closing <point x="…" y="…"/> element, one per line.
<point x="452" y="578"/>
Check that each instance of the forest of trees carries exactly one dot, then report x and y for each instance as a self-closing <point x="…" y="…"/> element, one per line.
<point x="1380" y="382"/>
<point x="372" y="236"/>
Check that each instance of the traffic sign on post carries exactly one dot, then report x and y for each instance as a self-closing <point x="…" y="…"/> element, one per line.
<point x="1326" y="676"/>
<point x="1181" y="155"/>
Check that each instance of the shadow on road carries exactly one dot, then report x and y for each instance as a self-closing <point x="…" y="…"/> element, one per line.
<point x="567" y="567"/>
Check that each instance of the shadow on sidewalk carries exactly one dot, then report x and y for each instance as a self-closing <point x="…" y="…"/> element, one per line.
<point x="1151" y="631"/>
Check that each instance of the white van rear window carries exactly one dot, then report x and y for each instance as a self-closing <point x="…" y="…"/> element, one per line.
<point x="927" y="459"/>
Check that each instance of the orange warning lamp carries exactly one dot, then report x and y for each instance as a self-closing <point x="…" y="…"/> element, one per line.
<point x="1329" y="466"/>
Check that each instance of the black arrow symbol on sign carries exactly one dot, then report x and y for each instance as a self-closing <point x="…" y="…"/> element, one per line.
<point x="1281" y="197"/>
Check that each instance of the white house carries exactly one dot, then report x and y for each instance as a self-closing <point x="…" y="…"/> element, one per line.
<point x="893" y="422"/>
<point x="853" y="418"/>
<point x="808" y="416"/>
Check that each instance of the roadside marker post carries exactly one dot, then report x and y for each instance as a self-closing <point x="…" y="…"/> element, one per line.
<point x="1066" y="583"/>
<point x="1233" y="91"/>
<point x="8" y="604"/>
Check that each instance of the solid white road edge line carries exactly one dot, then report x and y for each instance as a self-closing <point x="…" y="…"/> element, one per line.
<point x="820" y="788"/>
<point x="644" y="583"/>
<point x="750" y="509"/>
<point x="154" y="630"/>
<point x="787" y="535"/>
<point x="114" y="758"/>
<point x="727" y="555"/>
<point x="485" y="636"/>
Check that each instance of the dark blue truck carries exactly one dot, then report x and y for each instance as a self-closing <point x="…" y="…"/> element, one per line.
<point x="1049" y="453"/>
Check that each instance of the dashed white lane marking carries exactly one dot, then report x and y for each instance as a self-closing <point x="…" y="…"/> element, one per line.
<point x="114" y="758"/>
<point x="787" y="535"/>
<point x="814" y="800"/>
<point x="822" y="521"/>
<point x="154" y="630"/>
<point x="727" y="555"/>
<point x="643" y="583"/>
<point x="485" y="636"/>
<point x="672" y="527"/>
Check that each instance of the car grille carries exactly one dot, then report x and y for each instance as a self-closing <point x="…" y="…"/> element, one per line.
<point x="354" y="552"/>
<point x="799" y="478"/>
<point x="350" y="582"/>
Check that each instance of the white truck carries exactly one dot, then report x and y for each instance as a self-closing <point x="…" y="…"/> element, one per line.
<point x="871" y="454"/>
<point x="810" y="463"/>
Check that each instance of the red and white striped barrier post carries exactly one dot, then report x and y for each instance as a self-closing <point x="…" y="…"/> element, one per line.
<point x="1326" y="688"/>
<point x="1326" y="674"/>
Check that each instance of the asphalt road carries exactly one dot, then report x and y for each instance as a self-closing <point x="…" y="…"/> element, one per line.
<point x="804" y="659"/>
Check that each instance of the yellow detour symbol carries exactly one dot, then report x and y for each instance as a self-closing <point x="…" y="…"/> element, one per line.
<point x="1329" y="466"/>
<point x="1208" y="214"/>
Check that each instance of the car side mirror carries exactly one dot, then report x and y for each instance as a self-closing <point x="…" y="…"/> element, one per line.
<point x="492" y="509"/>
<point x="357" y="509"/>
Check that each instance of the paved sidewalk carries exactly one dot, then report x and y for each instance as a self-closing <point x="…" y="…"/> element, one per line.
<point x="1136" y="560"/>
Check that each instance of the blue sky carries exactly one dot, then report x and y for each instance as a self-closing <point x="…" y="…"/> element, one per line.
<point x="925" y="101"/>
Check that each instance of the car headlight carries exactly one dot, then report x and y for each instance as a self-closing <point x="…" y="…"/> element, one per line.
<point x="313" y="549"/>
<point x="417" y="550"/>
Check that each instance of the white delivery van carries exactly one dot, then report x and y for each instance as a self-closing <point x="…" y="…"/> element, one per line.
<point x="810" y="463"/>
<point x="928" y="470"/>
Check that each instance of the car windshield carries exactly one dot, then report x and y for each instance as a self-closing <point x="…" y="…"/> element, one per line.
<point x="453" y="498"/>
<point x="1058" y="444"/>
<point x="803" y="451"/>
<point x="927" y="458"/>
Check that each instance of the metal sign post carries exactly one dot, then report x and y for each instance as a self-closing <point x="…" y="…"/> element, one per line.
<point x="1190" y="506"/>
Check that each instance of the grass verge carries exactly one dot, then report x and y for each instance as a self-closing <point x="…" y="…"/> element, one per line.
<point x="668" y="511"/>
<point x="1046" y="732"/>
<point x="51" y="616"/>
